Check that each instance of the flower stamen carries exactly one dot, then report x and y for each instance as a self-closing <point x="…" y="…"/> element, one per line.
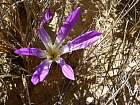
<point x="53" y="52"/>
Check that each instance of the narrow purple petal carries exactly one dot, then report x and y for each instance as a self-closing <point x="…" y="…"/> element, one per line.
<point x="46" y="17"/>
<point x="44" y="37"/>
<point x="66" y="69"/>
<point x="68" y="25"/>
<point x="31" y="51"/>
<point x="82" y="41"/>
<point x="41" y="72"/>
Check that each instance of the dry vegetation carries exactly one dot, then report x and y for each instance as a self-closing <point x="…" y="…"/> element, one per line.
<point x="106" y="74"/>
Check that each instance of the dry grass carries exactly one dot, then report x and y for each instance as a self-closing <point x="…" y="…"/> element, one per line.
<point x="106" y="74"/>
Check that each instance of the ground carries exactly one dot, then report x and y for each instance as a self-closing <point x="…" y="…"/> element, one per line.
<point x="107" y="73"/>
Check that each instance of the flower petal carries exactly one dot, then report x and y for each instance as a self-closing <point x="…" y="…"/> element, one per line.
<point x="41" y="72"/>
<point x="68" y="25"/>
<point x="82" y="41"/>
<point x="46" y="17"/>
<point x="66" y="69"/>
<point x="43" y="36"/>
<point x="31" y="51"/>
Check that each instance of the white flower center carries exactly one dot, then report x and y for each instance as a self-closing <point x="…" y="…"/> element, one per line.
<point x="53" y="52"/>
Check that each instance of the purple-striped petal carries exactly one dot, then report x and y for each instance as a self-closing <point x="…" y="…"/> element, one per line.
<point x="68" y="25"/>
<point x="46" y="17"/>
<point x="44" y="37"/>
<point x="41" y="72"/>
<point x="66" y="69"/>
<point x="82" y="41"/>
<point x="31" y="51"/>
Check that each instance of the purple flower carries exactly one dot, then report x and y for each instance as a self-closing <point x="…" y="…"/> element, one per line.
<point x="55" y="50"/>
